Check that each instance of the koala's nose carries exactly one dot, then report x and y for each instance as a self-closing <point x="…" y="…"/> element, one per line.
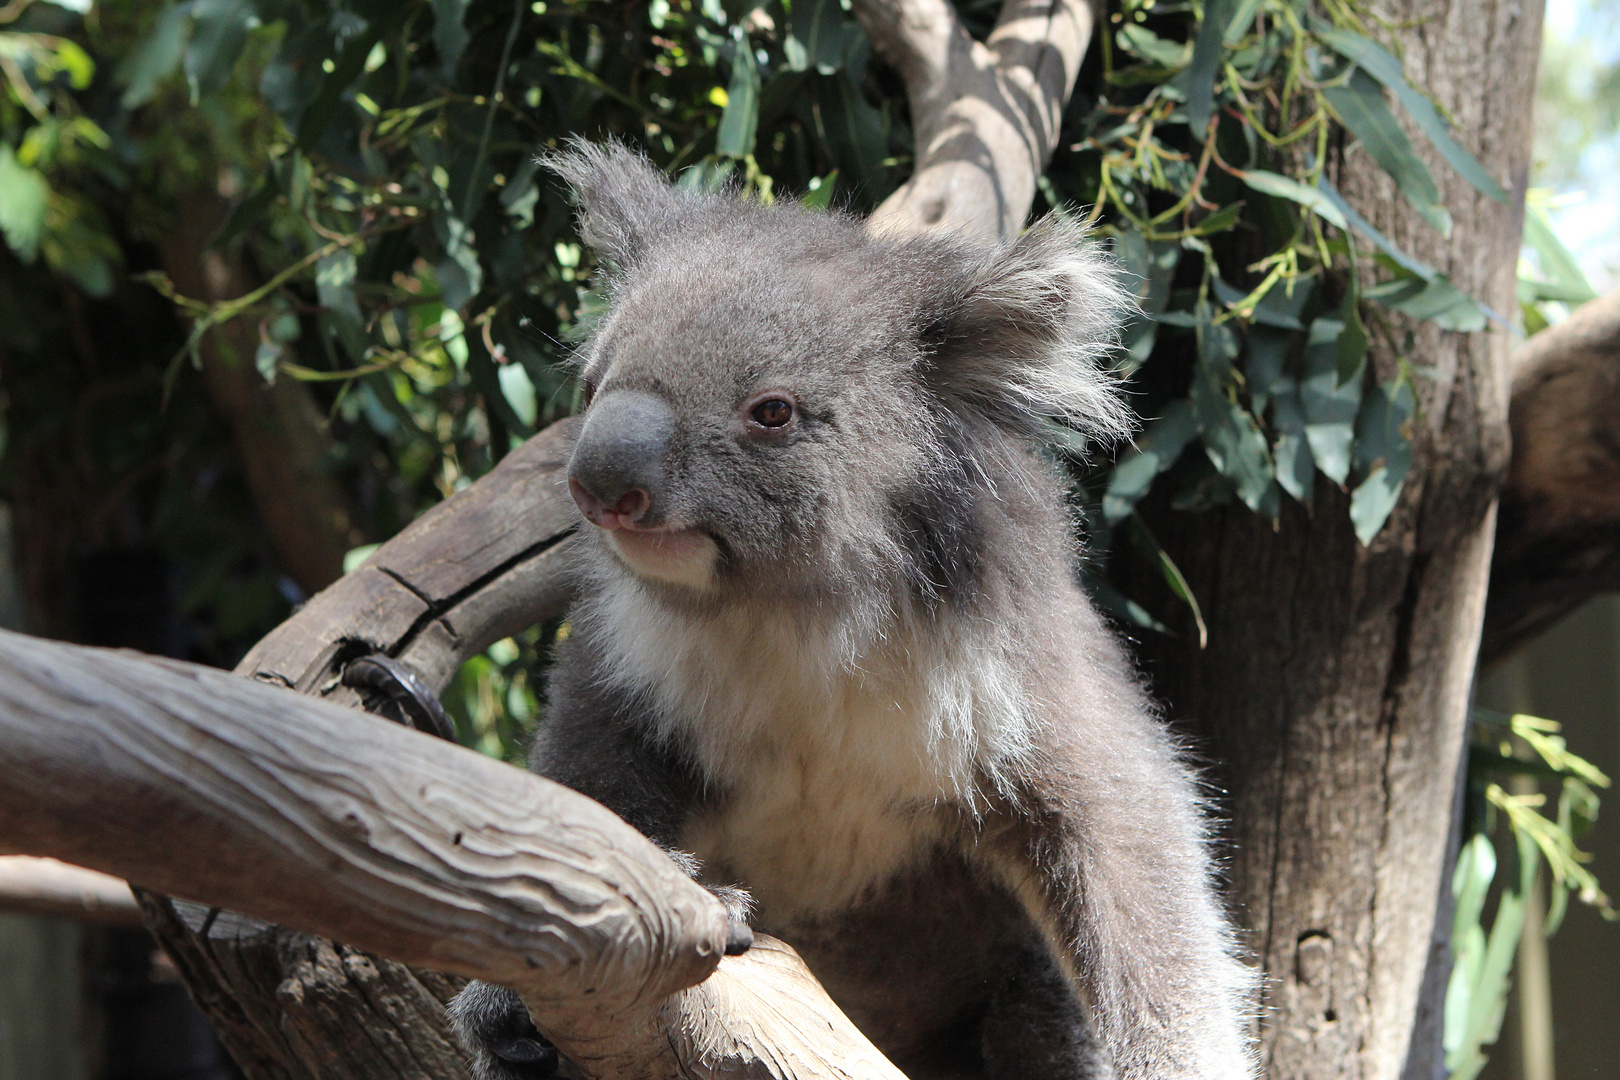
<point x="617" y="472"/>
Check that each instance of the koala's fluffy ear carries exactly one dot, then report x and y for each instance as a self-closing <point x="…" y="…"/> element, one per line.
<point x="1032" y="334"/>
<point x="624" y="200"/>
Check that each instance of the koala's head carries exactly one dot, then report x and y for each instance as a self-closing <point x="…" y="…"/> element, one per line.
<point x="781" y="405"/>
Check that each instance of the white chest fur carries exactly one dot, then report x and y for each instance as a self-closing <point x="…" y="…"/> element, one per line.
<point x="836" y="755"/>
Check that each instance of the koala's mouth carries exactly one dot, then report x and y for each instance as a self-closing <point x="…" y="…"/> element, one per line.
<point x="678" y="556"/>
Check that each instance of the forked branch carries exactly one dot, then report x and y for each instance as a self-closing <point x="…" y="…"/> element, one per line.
<point x="985" y="114"/>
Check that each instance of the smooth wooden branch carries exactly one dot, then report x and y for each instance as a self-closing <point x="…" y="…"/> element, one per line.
<point x="248" y="796"/>
<point x="985" y="115"/>
<point x="283" y="806"/>
<point x="1558" y="533"/>
<point x="49" y="887"/>
<point x="482" y="565"/>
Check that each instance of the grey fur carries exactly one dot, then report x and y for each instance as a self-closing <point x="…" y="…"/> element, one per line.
<point x="867" y="686"/>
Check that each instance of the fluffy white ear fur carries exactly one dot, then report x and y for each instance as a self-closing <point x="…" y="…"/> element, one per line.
<point x="1032" y="338"/>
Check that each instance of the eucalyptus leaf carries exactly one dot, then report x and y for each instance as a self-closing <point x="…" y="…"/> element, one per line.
<point x="1330" y="406"/>
<point x="1359" y="102"/>
<point x="1138" y="40"/>
<point x="155" y="58"/>
<point x="1313" y="199"/>
<point x="1446" y="305"/>
<point x="1198" y="82"/>
<point x="449" y="34"/>
<point x="1386" y="69"/>
<point x="740" y="121"/>
<point x="1296" y="468"/>
<point x="219" y="31"/>
<point x="1157" y="448"/>
<point x="1383" y="454"/>
<point x="1558" y="267"/>
<point x="821" y="32"/>
<point x="1232" y="440"/>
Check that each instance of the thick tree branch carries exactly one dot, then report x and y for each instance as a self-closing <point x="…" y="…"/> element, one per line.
<point x="278" y="804"/>
<point x="985" y="115"/>
<point x="1558" y="537"/>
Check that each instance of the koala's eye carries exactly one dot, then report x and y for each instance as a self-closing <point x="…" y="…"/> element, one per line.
<point x="772" y="413"/>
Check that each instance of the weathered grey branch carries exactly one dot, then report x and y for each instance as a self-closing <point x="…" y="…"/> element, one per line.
<point x="1558" y="535"/>
<point x="985" y="115"/>
<point x="50" y="887"/>
<point x="287" y="807"/>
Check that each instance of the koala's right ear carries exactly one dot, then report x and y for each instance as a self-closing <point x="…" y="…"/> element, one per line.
<point x="624" y="200"/>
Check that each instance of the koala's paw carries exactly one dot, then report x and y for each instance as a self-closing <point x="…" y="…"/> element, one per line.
<point x="496" y="1031"/>
<point x="735" y="899"/>
<point x="739" y="905"/>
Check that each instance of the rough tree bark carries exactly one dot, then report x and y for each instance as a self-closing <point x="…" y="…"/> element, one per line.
<point x="1332" y="698"/>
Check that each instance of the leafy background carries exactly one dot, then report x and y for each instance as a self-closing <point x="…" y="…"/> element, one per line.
<point x="423" y="278"/>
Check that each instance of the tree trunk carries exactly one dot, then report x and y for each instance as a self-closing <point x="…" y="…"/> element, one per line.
<point x="1332" y="697"/>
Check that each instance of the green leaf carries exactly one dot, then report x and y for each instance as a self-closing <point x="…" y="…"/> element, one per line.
<point x="818" y="36"/>
<point x="1157" y="448"/>
<point x="220" y="30"/>
<point x="1140" y="41"/>
<point x="1265" y="349"/>
<point x="821" y="191"/>
<point x="518" y="389"/>
<point x="740" y="121"/>
<point x="1360" y="105"/>
<point x="1296" y="469"/>
<point x="155" y="58"/>
<point x="1234" y="444"/>
<point x="449" y="34"/>
<point x="24" y="197"/>
<point x="1330" y="406"/>
<point x="1387" y="70"/>
<point x="459" y="272"/>
<point x="1173" y="577"/>
<point x="249" y="211"/>
<point x="1365" y="228"/>
<point x="1562" y="275"/>
<point x="1448" y="306"/>
<point x="1199" y="80"/>
<point x="334" y="283"/>
<point x="1313" y="199"/>
<point x="1383" y="455"/>
<point x="1242" y="19"/>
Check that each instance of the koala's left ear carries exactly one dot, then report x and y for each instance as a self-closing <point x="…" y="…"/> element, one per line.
<point x="625" y="202"/>
<point x="1033" y="333"/>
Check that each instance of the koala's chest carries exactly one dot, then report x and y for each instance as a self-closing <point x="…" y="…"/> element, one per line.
<point x="810" y="833"/>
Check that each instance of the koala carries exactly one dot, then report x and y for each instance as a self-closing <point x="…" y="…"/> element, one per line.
<point x="830" y="649"/>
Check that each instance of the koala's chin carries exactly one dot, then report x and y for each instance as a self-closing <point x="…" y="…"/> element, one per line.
<point x="674" y="556"/>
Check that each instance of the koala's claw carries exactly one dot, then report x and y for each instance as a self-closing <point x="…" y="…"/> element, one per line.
<point x="531" y="1057"/>
<point x="495" y="1028"/>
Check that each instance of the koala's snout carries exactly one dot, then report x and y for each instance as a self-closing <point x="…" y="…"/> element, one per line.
<point x="616" y="475"/>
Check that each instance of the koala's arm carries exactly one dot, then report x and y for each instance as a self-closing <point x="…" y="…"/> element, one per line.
<point x="1106" y="850"/>
<point x="591" y="742"/>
